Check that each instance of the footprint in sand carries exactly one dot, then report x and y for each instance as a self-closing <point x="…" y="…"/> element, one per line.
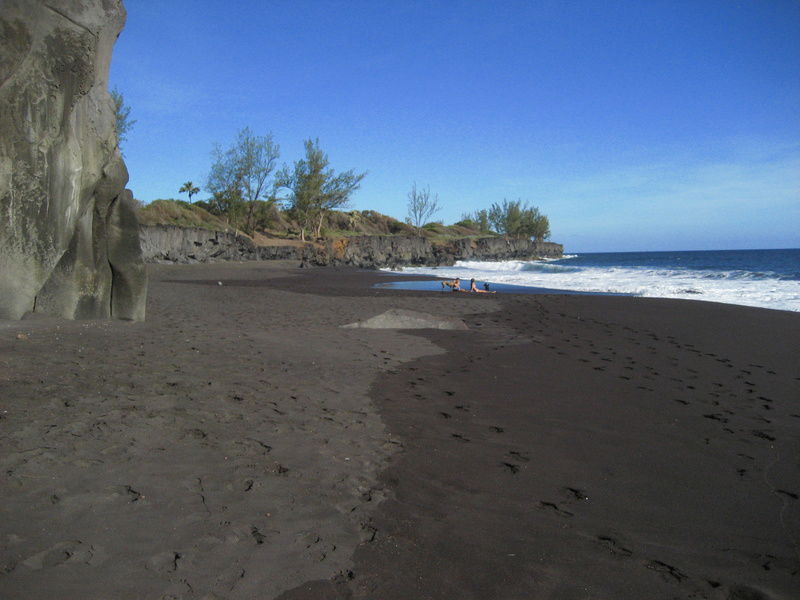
<point x="519" y="455"/>
<point x="552" y="506"/>
<point x="573" y="494"/>
<point x="165" y="562"/>
<point x="666" y="571"/>
<point x="73" y="552"/>
<point x="614" y="546"/>
<point x="716" y="417"/>
<point x="763" y="435"/>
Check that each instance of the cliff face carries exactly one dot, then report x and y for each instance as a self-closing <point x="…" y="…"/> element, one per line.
<point x="68" y="229"/>
<point x="166" y="243"/>
<point x="391" y="251"/>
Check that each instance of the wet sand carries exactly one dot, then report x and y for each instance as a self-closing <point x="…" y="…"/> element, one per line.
<point x="239" y="444"/>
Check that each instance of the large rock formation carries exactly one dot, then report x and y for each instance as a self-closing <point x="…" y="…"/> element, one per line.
<point x="393" y="251"/>
<point x="172" y="244"/>
<point x="69" y="240"/>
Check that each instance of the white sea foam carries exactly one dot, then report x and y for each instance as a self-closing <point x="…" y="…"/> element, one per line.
<point x="732" y="287"/>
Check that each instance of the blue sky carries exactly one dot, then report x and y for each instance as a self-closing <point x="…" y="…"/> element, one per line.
<point x="634" y="125"/>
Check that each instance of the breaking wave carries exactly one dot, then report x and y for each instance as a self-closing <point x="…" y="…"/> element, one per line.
<point x="762" y="278"/>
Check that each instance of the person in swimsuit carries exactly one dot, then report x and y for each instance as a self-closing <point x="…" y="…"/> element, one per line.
<point x="473" y="288"/>
<point x="454" y="285"/>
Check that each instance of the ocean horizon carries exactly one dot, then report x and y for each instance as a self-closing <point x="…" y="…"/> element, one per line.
<point x="764" y="278"/>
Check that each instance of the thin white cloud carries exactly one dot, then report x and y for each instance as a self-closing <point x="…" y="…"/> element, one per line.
<point x="754" y="197"/>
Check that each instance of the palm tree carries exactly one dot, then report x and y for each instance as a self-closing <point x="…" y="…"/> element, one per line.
<point x="190" y="188"/>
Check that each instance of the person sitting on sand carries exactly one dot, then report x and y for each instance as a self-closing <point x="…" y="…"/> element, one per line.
<point x="472" y="288"/>
<point x="454" y="285"/>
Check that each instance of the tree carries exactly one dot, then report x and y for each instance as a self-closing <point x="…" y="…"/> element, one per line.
<point x="190" y="188"/>
<point x="421" y="206"/>
<point x="535" y="224"/>
<point x="503" y="216"/>
<point x="542" y="229"/>
<point x="239" y="177"/>
<point x="223" y="183"/>
<point x="517" y="219"/>
<point x="479" y="219"/>
<point x="315" y="189"/>
<point x="122" y="116"/>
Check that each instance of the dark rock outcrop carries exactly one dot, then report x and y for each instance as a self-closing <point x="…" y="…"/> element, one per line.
<point x="68" y="228"/>
<point x="168" y="243"/>
<point x="173" y="244"/>
<point x="393" y="251"/>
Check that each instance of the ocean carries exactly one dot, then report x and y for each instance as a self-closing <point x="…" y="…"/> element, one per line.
<point x="763" y="278"/>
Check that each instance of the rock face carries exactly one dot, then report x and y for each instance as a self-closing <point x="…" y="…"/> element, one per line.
<point x="167" y="243"/>
<point x="172" y="244"/>
<point x="391" y="251"/>
<point x="68" y="229"/>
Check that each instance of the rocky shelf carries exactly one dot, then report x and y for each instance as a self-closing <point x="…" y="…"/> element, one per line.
<point x="171" y="244"/>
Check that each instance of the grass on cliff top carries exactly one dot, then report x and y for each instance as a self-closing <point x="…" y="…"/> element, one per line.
<point x="339" y="224"/>
<point x="180" y="213"/>
<point x="369" y="222"/>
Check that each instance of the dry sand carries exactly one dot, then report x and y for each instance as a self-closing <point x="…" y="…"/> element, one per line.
<point x="240" y="444"/>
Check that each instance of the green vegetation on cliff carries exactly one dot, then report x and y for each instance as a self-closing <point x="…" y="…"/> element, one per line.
<point x="315" y="190"/>
<point x="280" y="224"/>
<point x="245" y="186"/>
<point x="181" y="214"/>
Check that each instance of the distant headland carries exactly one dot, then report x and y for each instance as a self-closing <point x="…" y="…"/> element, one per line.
<point x="175" y="231"/>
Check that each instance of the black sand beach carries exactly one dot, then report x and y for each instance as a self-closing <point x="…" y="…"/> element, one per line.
<point x="240" y="444"/>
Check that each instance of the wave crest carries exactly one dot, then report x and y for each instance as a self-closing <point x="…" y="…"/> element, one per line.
<point x="765" y="289"/>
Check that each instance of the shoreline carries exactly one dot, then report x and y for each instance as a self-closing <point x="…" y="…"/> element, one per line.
<point x="765" y="279"/>
<point x="225" y="443"/>
<point x="507" y="288"/>
<point x="503" y="288"/>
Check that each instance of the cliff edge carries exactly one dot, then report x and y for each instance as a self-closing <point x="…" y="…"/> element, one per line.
<point x="171" y="244"/>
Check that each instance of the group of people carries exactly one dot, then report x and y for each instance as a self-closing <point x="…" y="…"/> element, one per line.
<point x="455" y="286"/>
